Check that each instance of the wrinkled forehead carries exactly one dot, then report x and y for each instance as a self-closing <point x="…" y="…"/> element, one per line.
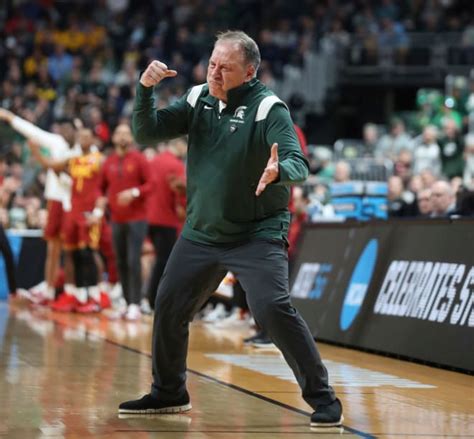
<point x="228" y="52"/>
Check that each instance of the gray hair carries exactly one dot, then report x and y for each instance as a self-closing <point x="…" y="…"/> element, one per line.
<point x="247" y="45"/>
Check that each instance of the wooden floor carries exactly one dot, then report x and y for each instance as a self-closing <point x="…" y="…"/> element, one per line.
<point x="62" y="376"/>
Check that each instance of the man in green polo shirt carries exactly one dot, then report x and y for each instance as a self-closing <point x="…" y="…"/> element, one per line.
<point x="243" y="155"/>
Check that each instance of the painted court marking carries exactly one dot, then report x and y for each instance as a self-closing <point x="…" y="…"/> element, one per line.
<point x="340" y="374"/>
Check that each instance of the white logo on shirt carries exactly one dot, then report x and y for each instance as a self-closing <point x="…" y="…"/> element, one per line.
<point x="239" y="112"/>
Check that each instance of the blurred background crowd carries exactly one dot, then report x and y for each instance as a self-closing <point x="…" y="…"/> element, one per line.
<point x="82" y="59"/>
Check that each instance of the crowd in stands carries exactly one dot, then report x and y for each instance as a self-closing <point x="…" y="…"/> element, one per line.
<point x="82" y="59"/>
<point x="426" y="152"/>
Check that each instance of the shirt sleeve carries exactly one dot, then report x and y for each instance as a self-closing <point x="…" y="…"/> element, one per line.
<point x="293" y="165"/>
<point x="150" y="125"/>
<point x="42" y="137"/>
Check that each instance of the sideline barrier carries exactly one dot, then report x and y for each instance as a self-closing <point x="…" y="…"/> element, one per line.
<point x="404" y="288"/>
<point x="29" y="253"/>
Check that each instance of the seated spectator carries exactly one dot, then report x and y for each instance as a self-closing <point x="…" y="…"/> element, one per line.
<point x="342" y="172"/>
<point x="321" y="164"/>
<point x="468" y="176"/>
<point x="468" y="42"/>
<point x="456" y="184"/>
<point x="399" y="204"/>
<point x="318" y="204"/>
<point x="451" y="146"/>
<point x="336" y="40"/>
<point x="415" y="184"/>
<point x="423" y="198"/>
<point x="429" y="102"/>
<point x="427" y="154"/>
<point x="370" y="138"/>
<point x="446" y="112"/>
<point x="443" y="200"/>
<point x="59" y="63"/>
<point x="17" y="218"/>
<point x="403" y="165"/>
<point x="391" y="144"/>
<point x="392" y="37"/>
<point x="33" y="211"/>
<point x="427" y="178"/>
<point x="465" y="202"/>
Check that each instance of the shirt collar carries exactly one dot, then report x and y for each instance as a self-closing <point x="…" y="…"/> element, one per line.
<point x="222" y="105"/>
<point x="235" y="96"/>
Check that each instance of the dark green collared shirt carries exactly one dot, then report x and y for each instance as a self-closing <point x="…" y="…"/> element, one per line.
<point x="227" y="153"/>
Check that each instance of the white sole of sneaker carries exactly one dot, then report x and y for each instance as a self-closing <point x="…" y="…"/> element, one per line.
<point x="328" y="425"/>
<point x="263" y="346"/>
<point x="173" y="418"/>
<point x="165" y="410"/>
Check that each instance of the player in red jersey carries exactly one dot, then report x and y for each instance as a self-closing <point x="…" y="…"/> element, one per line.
<point x="80" y="233"/>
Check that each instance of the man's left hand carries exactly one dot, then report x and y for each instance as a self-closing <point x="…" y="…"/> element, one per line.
<point x="125" y="197"/>
<point x="271" y="171"/>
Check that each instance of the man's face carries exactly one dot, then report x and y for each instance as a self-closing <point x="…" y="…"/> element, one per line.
<point x="424" y="201"/>
<point x="122" y="136"/>
<point x="395" y="187"/>
<point x="441" y="198"/>
<point x="227" y="69"/>
<point x="85" y="138"/>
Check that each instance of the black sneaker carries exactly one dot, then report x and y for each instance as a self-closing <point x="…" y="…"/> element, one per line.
<point x="150" y="405"/>
<point x="328" y="415"/>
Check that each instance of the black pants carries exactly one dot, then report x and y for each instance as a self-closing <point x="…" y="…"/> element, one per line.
<point x="128" y="240"/>
<point x="8" y="258"/>
<point x="193" y="273"/>
<point x="163" y="239"/>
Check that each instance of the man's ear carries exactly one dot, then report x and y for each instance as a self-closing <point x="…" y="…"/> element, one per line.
<point x="250" y="72"/>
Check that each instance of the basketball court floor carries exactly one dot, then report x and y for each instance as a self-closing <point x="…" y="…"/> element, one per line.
<point x="63" y="376"/>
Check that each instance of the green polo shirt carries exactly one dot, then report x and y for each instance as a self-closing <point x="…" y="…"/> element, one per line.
<point x="227" y="154"/>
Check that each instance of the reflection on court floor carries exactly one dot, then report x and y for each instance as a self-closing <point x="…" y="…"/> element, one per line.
<point x="63" y="375"/>
<point x="341" y="374"/>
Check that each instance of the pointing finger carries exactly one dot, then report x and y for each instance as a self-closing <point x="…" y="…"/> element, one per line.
<point x="274" y="152"/>
<point x="260" y="188"/>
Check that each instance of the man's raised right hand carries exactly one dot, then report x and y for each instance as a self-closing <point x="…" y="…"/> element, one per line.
<point x="155" y="72"/>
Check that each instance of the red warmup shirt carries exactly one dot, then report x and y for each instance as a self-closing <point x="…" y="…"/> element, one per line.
<point x="301" y="139"/>
<point x="125" y="172"/>
<point x="163" y="200"/>
<point x="294" y="232"/>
